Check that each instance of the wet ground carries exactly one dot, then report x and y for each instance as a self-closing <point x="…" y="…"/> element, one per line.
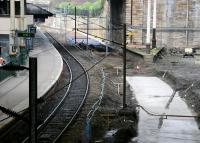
<point x="183" y="72"/>
<point x="154" y="96"/>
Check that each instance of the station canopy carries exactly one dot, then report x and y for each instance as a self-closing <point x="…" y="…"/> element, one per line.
<point x="30" y="9"/>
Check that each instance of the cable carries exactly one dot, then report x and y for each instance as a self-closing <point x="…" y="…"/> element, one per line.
<point x="114" y="27"/>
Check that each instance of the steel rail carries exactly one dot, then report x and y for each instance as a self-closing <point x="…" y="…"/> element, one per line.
<point x="56" y="112"/>
<point x="50" y="116"/>
<point x="84" y="96"/>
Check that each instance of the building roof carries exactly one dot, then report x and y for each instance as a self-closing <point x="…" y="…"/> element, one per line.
<point x="37" y="11"/>
<point x="31" y="9"/>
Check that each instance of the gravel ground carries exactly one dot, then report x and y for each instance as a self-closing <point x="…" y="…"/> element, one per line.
<point x="109" y="115"/>
<point x="179" y="72"/>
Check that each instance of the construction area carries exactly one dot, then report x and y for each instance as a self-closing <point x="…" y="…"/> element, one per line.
<point x="99" y="71"/>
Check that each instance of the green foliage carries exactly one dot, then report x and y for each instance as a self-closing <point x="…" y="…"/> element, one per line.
<point x="95" y="8"/>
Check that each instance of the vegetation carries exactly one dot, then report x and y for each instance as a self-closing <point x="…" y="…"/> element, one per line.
<point x="94" y="8"/>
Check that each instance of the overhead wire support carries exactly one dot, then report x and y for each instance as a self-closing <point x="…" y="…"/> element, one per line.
<point x="124" y="68"/>
<point x="88" y="22"/>
<point x="75" y="25"/>
<point x="32" y="100"/>
<point x="32" y="97"/>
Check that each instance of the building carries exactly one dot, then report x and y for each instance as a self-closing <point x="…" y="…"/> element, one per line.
<point x="18" y="18"/>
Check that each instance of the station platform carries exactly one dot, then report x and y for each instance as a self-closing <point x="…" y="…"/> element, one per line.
<point x="14" y="91"/>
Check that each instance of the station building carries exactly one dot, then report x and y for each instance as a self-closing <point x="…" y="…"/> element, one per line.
<point x="18" y="21"/>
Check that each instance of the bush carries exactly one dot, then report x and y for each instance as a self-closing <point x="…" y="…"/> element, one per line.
<point x="94" y="8"/>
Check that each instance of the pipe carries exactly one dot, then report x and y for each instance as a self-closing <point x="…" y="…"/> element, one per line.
<point x="148" y="26"/>
<point x="154" y="24"/>
<point x="154" y="14"/>
<point x="131" y="38"/>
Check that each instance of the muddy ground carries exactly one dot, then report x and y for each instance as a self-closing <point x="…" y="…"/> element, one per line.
<point x="183" y="75"/>
<point x="179" y="72"/>
<point x="109" y="115"/>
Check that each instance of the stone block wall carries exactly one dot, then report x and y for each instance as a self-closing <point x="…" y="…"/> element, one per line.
<point x="170" y="14"/>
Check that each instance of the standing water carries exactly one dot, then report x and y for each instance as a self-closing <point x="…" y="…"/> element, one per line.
<point x="155" y="95"/>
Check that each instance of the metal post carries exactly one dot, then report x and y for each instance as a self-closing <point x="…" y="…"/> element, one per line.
<point x="32" y="100"/>
<point x="124" y="72"/>
<point x="23" y="50"/>
<point x="12" y="49"/>
<point x="22" y="13"/>
<point x="75" y="26"/>
<point x="65" y="22"/>
<point x="154" y="24"/>
<point x="131" y="38"/>
<point x="61" y="28"/>
<point x="88" y="16"/>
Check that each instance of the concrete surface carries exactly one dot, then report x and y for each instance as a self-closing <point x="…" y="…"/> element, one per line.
<point x="153" y="94"/>
<point x="14" y="91"/>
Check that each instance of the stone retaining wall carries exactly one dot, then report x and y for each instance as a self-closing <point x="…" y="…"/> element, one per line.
<point x="171" y="13"/>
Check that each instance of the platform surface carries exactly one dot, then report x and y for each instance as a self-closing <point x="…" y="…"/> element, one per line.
<point x="14" y="91"/>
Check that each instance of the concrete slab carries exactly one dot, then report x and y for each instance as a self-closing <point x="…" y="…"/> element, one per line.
<point x="14" y="91"/>
<point x="154" y="94"/>
<point x="142" y="52"/>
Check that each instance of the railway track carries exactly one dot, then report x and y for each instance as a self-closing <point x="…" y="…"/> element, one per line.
<point x="62" y="113"/>
<point x="74" y="100"/>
